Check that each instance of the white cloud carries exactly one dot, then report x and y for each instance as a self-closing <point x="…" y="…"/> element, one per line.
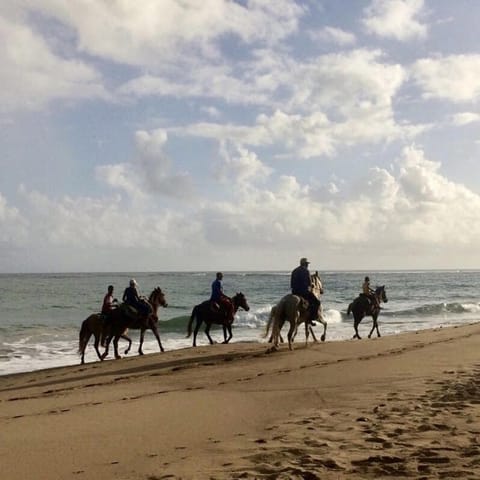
<point x="334" y="35"/>
<point x="465" y="118"/>
<point x="13" y="225"/>
<point x="32" y="75"/>
<point x="150" y="172"/>
<point x="153" y="34"/>
<point x="239" y="165"/>
<point x="455" y="77"/>
<point x="395" y="19"/>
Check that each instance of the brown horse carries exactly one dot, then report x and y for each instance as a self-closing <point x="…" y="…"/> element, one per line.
<point x="93" y="325"/>
<point x="362" y="307"/>
<point x="204" y="313"/>
<point x="121" y="319"/>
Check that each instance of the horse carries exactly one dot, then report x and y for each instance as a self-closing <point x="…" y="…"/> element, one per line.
<point x="120" y="319"/>
<point x="291" y="308"/>
<point x="317" y="290"/>
<point x="93" y="325"/>
<point x="204" y="313"/>
<point x="361" y="307"/>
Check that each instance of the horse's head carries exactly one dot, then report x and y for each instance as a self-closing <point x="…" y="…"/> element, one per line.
<point x="239" y="300"/>
<point x="381" y="294"/>
<point x="157" y="297"/>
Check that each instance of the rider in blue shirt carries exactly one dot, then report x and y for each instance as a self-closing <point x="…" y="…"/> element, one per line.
<point x="219" y="300"/>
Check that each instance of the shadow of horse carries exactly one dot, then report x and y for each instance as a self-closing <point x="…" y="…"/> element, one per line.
<point x="94" y="325"/>
<point x="204" y="313"/>
<point x="361" y="307"/>
<point x="121" y="319"/>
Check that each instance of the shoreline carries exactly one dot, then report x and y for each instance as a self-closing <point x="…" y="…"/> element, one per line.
<point x="401" y="405"/>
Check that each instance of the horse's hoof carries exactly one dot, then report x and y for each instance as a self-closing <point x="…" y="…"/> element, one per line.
<point x="322" y="338"/>
<point x="118" y="357"/>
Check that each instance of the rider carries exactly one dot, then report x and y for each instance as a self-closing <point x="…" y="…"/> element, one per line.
<point x="108" y="301"/>
<point x="218" y="299"/>
<point x="301" y="285"/>
<point x="132" y="297"/>
<point x="369" y="293"/>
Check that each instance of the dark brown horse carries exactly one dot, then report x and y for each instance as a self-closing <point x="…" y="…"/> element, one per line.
<point x="121" y="319"/>
<point x="363" y="307"/>
<point x="93" y="325"/>
<point x="204" y="313"/>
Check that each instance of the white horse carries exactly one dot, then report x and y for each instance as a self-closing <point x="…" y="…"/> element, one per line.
<point x="294" y="309"/>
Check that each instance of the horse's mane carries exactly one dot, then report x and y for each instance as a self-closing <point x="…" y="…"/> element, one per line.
<point x="154" y="292"/>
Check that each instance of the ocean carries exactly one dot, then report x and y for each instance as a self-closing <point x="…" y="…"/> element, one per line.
<point x="41" y="314"/>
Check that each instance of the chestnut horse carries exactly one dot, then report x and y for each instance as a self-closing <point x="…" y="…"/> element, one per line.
<point x="362" y="307"/>
<point x="120" y="319"/>
<point x="93" y="325"/>
<point x="204" y="313"/>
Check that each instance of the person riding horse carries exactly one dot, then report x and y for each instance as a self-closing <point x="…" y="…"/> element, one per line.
<point x="131" y="297"/>
<point x="301" y="285"/>
<point x="218" y="300"/>
<point x="109" y="303"/>
<point x="369" y="294"/>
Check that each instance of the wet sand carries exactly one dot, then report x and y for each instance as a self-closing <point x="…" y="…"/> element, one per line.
<point x="395" y="407"/>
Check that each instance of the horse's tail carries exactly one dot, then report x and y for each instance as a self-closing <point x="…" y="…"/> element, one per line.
<point x="270" y="321"/>
<point x="349" y="309"/>
<point x="82" y="336"/>
<point x="190" y="322"/>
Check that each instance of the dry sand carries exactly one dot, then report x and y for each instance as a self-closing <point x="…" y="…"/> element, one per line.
<point x="395" y="407"/>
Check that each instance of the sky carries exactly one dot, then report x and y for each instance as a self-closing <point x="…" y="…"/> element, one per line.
<point x="185" y="135"/>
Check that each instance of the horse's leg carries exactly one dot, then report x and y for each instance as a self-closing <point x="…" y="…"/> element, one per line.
<point x="356" y="322"/>
<point x="157" y="336"/>
<point x="195" y="331"/>
<point x="129" y="340"/>
<point x="207" y="333"/>
<point x="230" y="334"/>
<point x="374" y="326"/>
<point x="107" y="343"/>
<point x="324" y="334"/>
<point x="115" y="346"/>
<point x="142" y="336"/>
<point x="83" y="346"/>
<point x="307" y="331"/>
<point x="224" y="328"/>
<point x="291" y="331"/>
<point x="96" y="343"/>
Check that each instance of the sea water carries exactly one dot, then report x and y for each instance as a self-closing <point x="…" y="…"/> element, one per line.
<point x="41" y="314"/>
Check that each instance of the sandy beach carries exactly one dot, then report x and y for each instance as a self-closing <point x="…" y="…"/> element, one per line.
<point x="395" y="407"/>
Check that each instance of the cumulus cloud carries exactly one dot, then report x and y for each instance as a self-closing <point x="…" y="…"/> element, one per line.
<point x="239" y="164"/>
<point x="396" y="19"/>
<point x="454" y="77"/>
<point x="153" y="34"/>
<point x="334" y="35"/>
<point x="150" y="172"/>
<point x="13" y="225"/>
<point x="32" y="75"/>
<point x="465" y="118"/>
